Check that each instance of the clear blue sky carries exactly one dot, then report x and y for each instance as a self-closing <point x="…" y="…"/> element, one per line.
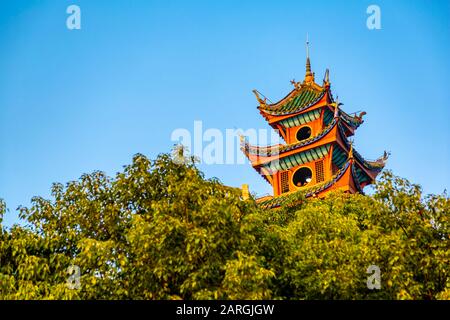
<point x="76" y="101"/>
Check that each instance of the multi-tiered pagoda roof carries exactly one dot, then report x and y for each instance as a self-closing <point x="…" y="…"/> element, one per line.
<point x="318" y="155"/>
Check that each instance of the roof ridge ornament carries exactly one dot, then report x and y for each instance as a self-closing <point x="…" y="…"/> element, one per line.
<point x="383" y="159"/>
<point x="262" y="102"/>
<point x="360" y="116"/>
<point x="244" y="143"/>
<point x="350" y="152"/>
<point x="336" y="108"/>
<point x="336" y="104"/>
<point x="326" y="78"/>
<point x="296" y="84"/>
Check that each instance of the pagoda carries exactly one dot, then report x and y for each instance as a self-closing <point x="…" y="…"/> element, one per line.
<point x="317" y="156"/>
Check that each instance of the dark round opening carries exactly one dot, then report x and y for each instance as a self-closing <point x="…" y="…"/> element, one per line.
<point x="303" y="133"/>
<point x="302" y="177"/>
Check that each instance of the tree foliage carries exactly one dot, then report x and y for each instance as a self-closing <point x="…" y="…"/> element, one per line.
<point x="160" y="230"/>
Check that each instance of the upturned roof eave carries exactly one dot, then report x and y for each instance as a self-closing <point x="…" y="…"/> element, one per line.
<point x="329" y="137"/>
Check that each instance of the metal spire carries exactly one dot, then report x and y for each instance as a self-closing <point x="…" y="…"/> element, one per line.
<point x="308" y="62"/>
<point x="307" y="46"/>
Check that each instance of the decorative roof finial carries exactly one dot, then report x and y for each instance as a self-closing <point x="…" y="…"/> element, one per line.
<point x="309" y="76"/>
<point x="326" y="78"/>
<point x="262" y="102"/>
<point x="336" y="108"/>
<point x="243" y="142"/>
<point x="350" y="152"/>
<point x="297" y="85"/>
<point x="384" y="158"/>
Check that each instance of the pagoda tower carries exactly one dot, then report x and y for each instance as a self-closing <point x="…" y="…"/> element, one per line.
<point x="318" y="156"/>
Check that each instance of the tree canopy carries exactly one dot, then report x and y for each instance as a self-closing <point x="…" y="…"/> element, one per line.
<point x="160" y="230"/>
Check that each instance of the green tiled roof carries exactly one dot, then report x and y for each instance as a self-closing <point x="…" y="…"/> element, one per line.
<point x="308" y="191"/>
<point x="339" y="156"/>
<point x="298" y="158"/>
<point x="327" y="117"/>
<point x="358" y="176"/>
<point x="361" y="175"/>
<point x="301" y="119"/>
<point x="299" y="101"/>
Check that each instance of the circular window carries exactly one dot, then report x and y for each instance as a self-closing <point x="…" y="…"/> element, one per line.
<point x="302" y="177"/>
<point x="303" y="133"/>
